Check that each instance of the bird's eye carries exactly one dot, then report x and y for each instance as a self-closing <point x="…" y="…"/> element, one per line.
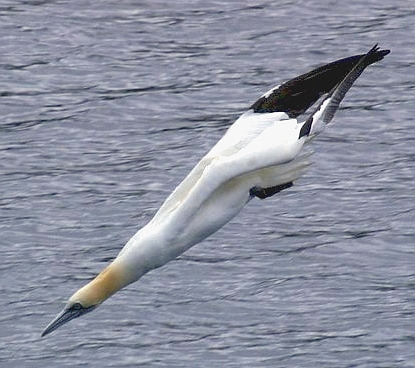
<point x="77" y="306"/>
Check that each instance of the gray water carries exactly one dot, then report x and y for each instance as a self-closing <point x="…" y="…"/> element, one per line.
<point x="106" y="105"/>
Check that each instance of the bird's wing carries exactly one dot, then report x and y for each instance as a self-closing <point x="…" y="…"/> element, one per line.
<point x="275" y="145"/>
<point x="243" y="132"/>
<point x="298" y="94"/>
<point x="294" y="97"/>
<point x="325" y="111"/>
<point x="268" y="136"/>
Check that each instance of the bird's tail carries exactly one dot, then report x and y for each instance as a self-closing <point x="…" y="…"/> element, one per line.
<point x="325" y="111"/>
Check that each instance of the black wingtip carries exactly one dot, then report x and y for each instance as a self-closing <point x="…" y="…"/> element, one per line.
<point x="376" y="48"/>
<point x="295" y="96"/>
<point x="375" y="54"/>
<point x="337" y="94"/>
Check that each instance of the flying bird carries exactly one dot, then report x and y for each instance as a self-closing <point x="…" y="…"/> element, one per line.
<point x="259" y="156"/>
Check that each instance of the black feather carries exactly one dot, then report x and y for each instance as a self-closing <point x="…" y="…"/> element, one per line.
<point x="338" y="92"/>
<point x="298" y="94"/>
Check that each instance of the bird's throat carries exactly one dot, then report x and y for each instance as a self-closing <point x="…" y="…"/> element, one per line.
<point x="106" y="283"/>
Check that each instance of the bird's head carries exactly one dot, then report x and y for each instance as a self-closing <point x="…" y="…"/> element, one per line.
<point x="109" y="281"/>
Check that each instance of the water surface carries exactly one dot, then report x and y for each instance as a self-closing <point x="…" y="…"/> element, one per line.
<point x="106" y="106"/>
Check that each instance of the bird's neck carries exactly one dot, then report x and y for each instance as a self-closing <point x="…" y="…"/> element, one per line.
<point x="146" y="250"/>
<point x="106" y="283"/>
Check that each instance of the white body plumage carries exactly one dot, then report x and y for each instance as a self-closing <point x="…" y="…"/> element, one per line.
<point x="258" y="150"/>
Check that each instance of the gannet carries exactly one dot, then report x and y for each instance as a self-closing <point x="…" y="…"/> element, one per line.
<point x="259" y="156"/>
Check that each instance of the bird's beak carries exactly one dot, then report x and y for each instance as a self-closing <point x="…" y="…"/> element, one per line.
<point x="68" y="313"/>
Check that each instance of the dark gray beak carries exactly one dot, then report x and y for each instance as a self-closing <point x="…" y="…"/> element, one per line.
<point x="68" y="313"/>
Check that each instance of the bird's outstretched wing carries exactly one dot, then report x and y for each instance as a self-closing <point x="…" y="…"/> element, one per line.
<point x="298" y="94"/>
<point x="325" y="111"/>
<point x="259" y="147"/>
